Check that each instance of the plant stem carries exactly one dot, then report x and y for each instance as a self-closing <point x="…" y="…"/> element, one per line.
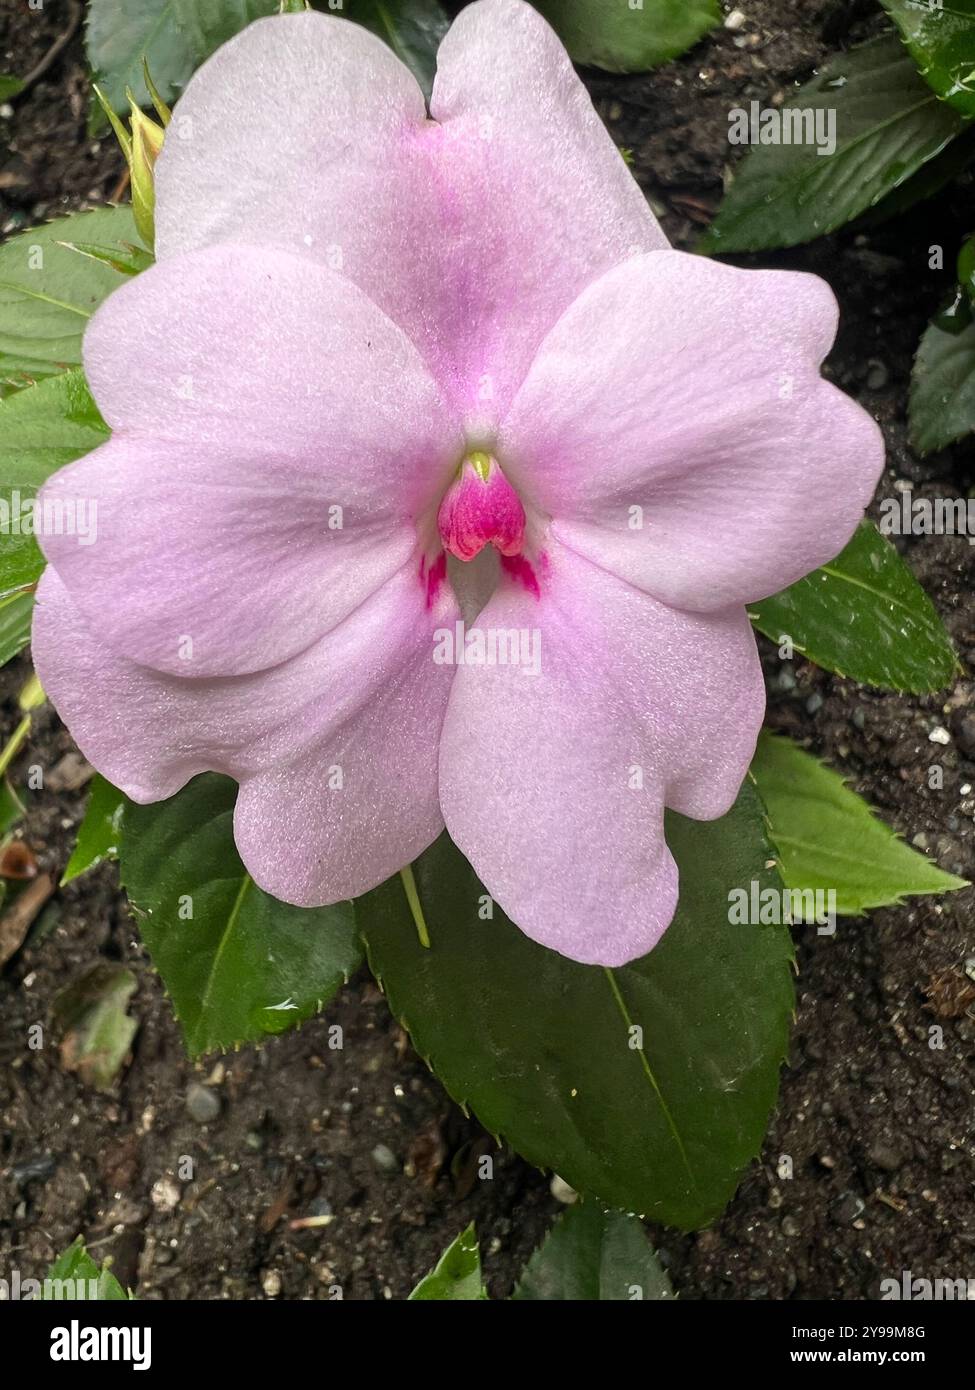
<point x="413" y="898"/>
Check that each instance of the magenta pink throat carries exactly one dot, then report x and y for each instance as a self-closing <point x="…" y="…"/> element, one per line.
<point x="480" y="508"/>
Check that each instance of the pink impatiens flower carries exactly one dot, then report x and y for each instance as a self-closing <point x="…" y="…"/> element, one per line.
<point x="396" y="373"/>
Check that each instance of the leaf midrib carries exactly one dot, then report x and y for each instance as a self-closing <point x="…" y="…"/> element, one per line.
<point x="885" y="597"/>
<point x="804" y="175"/>
<point x="651" y="1078"/>
<point x="45" y="298"/>
<point x="224" y="939"/>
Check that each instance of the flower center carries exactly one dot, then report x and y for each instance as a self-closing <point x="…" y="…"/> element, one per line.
<point x="479" y="508"/>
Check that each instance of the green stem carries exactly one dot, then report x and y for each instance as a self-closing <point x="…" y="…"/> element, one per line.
<point x="13" y="743"/>
<point x="413" y="898"/>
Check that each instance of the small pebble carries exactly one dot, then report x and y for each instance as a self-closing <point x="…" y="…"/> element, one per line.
<point x="939" y="735"/>
<point x="165" y="1194"/>
<point x="202" y="1104"/>
<point x="859" y="719"/>
<point x="789" y="1226"/>
<point x="877" y="376"/>
<point x="847" y="1207"/>
<point x="385" y="1159"/>
<point x="814" y="703"/>
<point x="885" y="1156"/>
<point x="562" y="1192"/>
<point x="736" y="20"/>
<point x="271" y="1283"/>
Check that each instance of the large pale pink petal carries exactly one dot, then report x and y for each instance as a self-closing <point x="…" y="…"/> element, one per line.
<point x="536" y="200"/>
<point x="276" y="438"/>
<point x="676" y="426"/>
<point x="554" y="784"/>
<point x="361" y="802"/>
<point x="278" y="733"/>
<point x="303" y="133"/>
<point x="473" y="231"/>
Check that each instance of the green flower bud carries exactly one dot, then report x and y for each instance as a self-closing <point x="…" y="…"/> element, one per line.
<point x="147" y="141"/>
<point x="140" y="145"/>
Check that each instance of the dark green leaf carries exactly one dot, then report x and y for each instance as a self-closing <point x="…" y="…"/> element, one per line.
<point x="42" y="428"/>
<point x="98" y="834"/>
<point x="648" y="1086"/>
<point x="243" y="965"/>
<point x="457" y="1275"/>
<point x="828" y="838"/>
<point x="594" y="1256"/>
<point x="617" y="36"/>
<point x="174" y="36"/>
<point x="9" y="87"/>
<point x="11" y="807"/>
<point x="75" y="1266"/>
<point x="941" y="38"/>
<point x="888" y="123"/>
<point x="16" y="612"/>
<point x="865" y="616"/>
<point x="942" y="400"/>
<point x="957" y="157"/>
<point x="966" y="268"/>
<point x="125" y="260"/>
<point x="412" y="28"/>
<point x="48" y="291"/>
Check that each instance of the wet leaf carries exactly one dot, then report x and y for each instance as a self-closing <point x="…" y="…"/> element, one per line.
<point x="238" y="965"/>
<point x="888" y="123"/>
<point x="830" y="839"/>
<point x="48" y="292"/>
<point x="16" y="615"/>
<point x="592" y="1255"/>
<point x="648" y="1086"/>
<point x="941" y="39"/>
<point x="98" y="834"/>
<point x="865" y="616"/>
<point x="41" y="428"/>
<point x="620" y="37"/>
<point x="942" y="401"/>
<point x="74" y="1267"/>
<point x="457" y="1275"/>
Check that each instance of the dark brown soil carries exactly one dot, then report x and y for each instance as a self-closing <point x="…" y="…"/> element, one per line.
<point x="875" y="1125"/>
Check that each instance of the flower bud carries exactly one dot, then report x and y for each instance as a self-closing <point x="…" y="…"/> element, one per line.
<point x="141" y="146"/>
<point x="147" y="141"/>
